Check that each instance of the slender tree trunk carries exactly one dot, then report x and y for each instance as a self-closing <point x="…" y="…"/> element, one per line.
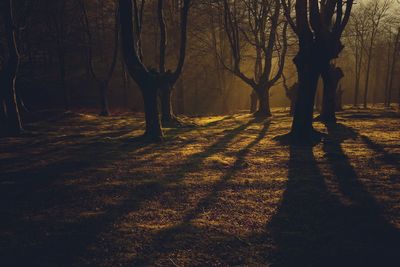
<point x="3" y="116"/>
<point x="10" y="113"/>
<point x="367" y="77"/>
<point x="104" y="109"/>
<point x="167" y="114"/>
<point x="387" y="75"/>
<point x="393" y="68"/>
<point x="153" y="126"/>
<point x="253" y="102"/>
<point x="20" y="102"/>
<point x="359" y="57"/>
<point x="62" y="70"/>
<point x="124" y="83"/>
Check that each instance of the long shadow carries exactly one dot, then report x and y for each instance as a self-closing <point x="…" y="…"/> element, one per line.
<point x="54" y="241"/>
<point x="314" y="228"/>
<point x="164" y="241"/>
<point x="388" y="158"/>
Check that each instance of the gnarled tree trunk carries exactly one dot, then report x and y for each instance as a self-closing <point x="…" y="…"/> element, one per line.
<point x="308" y="74"/>
<point x="153" y="126"/>
<point x="253" y="102"/>
<point x="263" y="110"/>
<point x="167" y="114"/>
<point x="331" y="76"/>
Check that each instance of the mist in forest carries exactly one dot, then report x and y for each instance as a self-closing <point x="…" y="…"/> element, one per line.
<point x="53" y="45"/>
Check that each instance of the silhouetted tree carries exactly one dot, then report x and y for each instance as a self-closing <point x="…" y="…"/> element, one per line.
<point x="103" y="80"/>
<point x="257" y="23"/>
<point x="151" y="81"/>
<point x="391" y="74"/>
<point x="357" y="36"/>
<point x="291" y="93"/>
<point x="331" y="78"/>
<point x="10" y="122"/>
<point x="319" y="26"/>
<point x="376" y="12"/>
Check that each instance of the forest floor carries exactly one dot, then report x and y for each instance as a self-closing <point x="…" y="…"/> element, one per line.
<point x="79" y="190"/>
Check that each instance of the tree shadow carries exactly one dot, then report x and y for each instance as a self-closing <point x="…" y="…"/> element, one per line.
<point x="170" y="239"/>
<point x="58" y="239"/>
<point x="389" y="158"/>
<point x="314" y="227"/>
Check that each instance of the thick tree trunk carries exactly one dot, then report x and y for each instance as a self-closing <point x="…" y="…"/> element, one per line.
<point x="292" y="106"/>
<point x="104" y="109"/>
<point x="308" y="74"/>
<point x="339" y="99"/>
<point x="253" y="102"/>
<point x="167" y="115"/>
<point x="292" y="95"/>
<point x="263" y="110"/>
<point x="153" y="126"/>
<point x="180" y="96"/>
<point x="331" y="76"/>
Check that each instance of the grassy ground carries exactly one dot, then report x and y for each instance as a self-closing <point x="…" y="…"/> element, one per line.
<point x="80" y="191"/>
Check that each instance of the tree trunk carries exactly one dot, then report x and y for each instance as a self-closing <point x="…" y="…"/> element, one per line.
<point x="292" y="106"/>
<point x="20" y="102"/>
<point x="367" y="78"/>
<point x="180" y="96"/>
<point x="308" y="74"/>
<point x="104" y="109"/>
<point x="153" y="127"/>
<point x="339" y="99"/>
<point x="64" y="88"/>
<point x="167" y="114"/>
<point x="253" y="102"/>
<point x="263" y="110"/>
<point x="12" y="122"/>
<point x="125" y="80"/>
<point x="292" y="95"/>
<point x="331" y="76"/>
<point x="356" y="92"/>
<point x="3" y="115"/>
<point x="393" y="68"/>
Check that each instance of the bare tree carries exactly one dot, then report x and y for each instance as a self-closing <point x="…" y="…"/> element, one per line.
<point x="331" y="78"/>
<point x="10" y="122"/>
<point x="103" y="80"/>
<point x="391" y="76"/>
<point x="357" y="38"/>
<point x="257" y="24"/>
<point x="150" y="81"/>
<point x="376" y="11"/>
<point x="319" y="26"/>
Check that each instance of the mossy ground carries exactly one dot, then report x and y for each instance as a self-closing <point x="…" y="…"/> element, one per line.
<point x="79" y="190"/>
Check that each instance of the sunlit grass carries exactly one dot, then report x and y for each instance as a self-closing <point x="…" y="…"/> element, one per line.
<point x="210" y="194"/>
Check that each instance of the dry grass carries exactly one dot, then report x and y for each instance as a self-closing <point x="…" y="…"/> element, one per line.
<point x="80" y="191"/>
